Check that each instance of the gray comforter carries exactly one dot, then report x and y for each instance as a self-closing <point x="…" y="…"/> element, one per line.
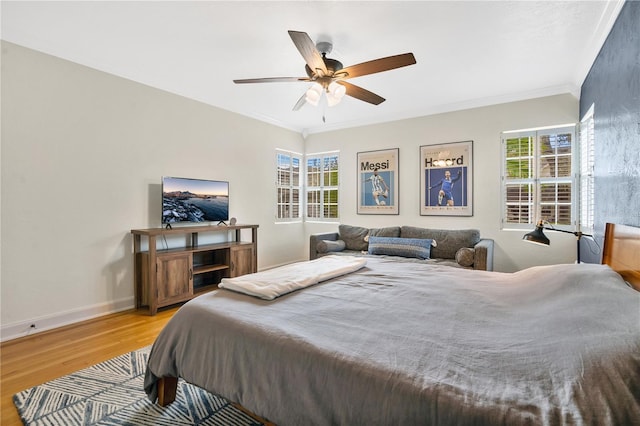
<point x="405" y="343"/>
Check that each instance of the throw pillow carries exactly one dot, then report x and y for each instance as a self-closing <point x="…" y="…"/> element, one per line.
<point x="406" y="247"/>
<point x="353" y="237"/>
<point x="465" y="256"/>
<point x="328" y="246"/>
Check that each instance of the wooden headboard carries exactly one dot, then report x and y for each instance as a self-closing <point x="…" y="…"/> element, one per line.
<point x="622" y="252"/>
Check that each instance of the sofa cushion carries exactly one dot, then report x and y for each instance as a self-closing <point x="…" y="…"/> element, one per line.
<point x="328" y="246"/>
<point x="449" y="240"/>
<point x="353" y="237"/>
<point x="405" y="247"/>
<point x="389" y="231"/>
<point x="465" y="256"/>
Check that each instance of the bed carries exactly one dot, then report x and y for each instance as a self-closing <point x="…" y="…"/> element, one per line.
<point x="408" y="343"/>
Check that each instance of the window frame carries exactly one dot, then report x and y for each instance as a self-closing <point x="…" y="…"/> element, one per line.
<point x="322" y="186"/>
<point x="288" y="186"/>
<point x="530" y="201"/>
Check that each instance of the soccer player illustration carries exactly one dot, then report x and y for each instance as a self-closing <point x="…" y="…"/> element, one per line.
<point x="378" y="188"/>
<point x="446" y="187"/>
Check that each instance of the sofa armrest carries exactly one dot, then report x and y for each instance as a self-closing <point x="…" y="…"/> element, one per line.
<point x="314" y="239"/>
<point x="483" y="257"/>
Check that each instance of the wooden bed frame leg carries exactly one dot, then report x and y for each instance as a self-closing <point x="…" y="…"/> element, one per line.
<point x="167" y="389"/>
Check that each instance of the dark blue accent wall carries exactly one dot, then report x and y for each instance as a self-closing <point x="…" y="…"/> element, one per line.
<point x="613" y="87"/>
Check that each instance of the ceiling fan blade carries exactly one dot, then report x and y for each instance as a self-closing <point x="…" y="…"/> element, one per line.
<point x="308" y="50"/>
<point x="271" y="80"/>
<point x="379" y="65"/>
<point x="300" y="102"/>
<point x="362" y="94"/>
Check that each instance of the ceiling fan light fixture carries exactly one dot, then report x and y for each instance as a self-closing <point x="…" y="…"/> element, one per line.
<point x="332" y="100"/>
<point x="313" y="94"/>
<point x="335" y="93"/>
<point x="337" y="90"/>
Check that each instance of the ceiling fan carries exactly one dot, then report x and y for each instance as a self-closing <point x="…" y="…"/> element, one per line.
<point x="328" y="75"/>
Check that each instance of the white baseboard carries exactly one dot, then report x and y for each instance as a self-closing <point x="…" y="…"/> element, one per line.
<point x="49" y="322"/>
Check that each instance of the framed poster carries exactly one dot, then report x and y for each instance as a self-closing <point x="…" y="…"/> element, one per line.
<point x="378" y="182"/>
<point x="446" y="179"/>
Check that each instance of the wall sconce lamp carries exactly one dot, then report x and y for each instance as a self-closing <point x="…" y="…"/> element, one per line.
<point x="537" y="236"/>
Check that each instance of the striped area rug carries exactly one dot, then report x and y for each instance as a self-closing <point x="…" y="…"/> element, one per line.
<point x="111" y="393"/>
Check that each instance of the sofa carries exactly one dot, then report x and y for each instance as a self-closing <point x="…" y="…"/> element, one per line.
<point x="461" y="248"/>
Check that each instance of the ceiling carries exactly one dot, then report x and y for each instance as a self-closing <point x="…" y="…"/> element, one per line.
<point x="468" y="53"/>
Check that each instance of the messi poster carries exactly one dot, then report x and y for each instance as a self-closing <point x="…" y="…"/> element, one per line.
<point x="378" y="182"/>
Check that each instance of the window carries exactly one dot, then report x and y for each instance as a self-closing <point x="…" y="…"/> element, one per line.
<point x="322" y="186"/>
<point x="537" y="177"/>
<point x="587" y="179"/>
<point x="288" y="186"/>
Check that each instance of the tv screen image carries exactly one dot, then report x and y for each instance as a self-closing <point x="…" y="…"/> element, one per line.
<point x="194" y="200"/>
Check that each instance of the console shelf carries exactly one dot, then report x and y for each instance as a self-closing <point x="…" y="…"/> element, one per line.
<point x="168" y="276"/>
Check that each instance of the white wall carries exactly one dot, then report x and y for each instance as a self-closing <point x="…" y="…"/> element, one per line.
<point x="82" y="156"/>
<point x="483" y="126"/>
<point x="83" y="152"/>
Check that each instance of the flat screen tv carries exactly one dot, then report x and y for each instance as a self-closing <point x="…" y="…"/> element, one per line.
<point x="194" y="200"/>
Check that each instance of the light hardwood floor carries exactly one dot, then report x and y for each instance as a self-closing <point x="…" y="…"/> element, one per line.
<point x="35" y="359"/>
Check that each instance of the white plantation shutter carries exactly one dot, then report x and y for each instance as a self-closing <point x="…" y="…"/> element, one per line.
<point x="322" y="186"/>
<point x="587" y="178"/>
<point x="537" y="178"/>
<point x="288" y="186"/>
<point x="555" y="175"/>
<point x="519" y="178"/>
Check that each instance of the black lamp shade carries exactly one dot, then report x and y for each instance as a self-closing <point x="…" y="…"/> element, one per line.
<point x="537" y="236"/>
